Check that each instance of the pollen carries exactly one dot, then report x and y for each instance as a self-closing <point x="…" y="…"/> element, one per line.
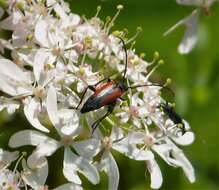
<point x="88" y="42"/>
<point x="134" y="111"/>
<point x="57" y="51"/>
<point x="48" y="67"/>
<point x="149" y="141"/>
<point x="67" y="141"/>
<point x="39" y="92"/>
<point x="107" y="143"/>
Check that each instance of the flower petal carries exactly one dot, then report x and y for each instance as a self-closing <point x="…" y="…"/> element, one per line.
<point x="46" y="148"/>
<point x="40" y="33"/>
<point x="186" y="139"/>
<point x="11" y="22"/>
<point x="51" y="105"/>
<point x="6" y="156"/>
<point x="185" y="164"/>
<point x="73" y="163"/>
<point x="156" y="175"/>
<point x="69" y="122"/>
<point x="27" y="137"/>
<point x="163" y="150"/>
<point x="35" y="177"/>
<point x="13" y="79"/>
<point x="31" y="111"/>
<point x="69" y="186"/>
<point x="109" y="166"/>
<point x="9" y="104"/>
<point x="190" y="37"/>
<point x="38" y="66"/>
<point x="87" y="148"/>
<point x="127" y="146"/>
<point x="116" y="133"/>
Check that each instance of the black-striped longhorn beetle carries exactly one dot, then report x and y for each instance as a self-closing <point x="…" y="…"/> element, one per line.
<point x="107" y="93"/>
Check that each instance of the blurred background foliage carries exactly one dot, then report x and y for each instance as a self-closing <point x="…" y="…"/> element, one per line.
<point x="195" y="82"/>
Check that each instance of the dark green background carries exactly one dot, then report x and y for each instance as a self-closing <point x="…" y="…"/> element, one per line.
<point x="195" y="81"/>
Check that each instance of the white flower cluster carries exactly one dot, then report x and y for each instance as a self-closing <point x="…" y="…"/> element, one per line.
<point x="191" y="23"/>
<point x="54" y="56"/>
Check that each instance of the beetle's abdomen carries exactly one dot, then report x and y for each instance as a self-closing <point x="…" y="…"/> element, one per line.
<point x="112" y="97"/>
<point x="104" y="97"/>
<point x="91" y="104"/>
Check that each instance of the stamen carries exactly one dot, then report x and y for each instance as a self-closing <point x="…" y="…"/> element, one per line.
<point x="108" y="19"/>
<point x="18" y="161"/>
<point x="132" y="45"/>
<point x="168" y="82"/>
<point x="155" y="58"/>
<point x="160" y="62"/>
<point x="138" y="31"/>
<point x="83" y="58"/>
<point x="149" y="141"/>
<point x="98" y="10"/>
<point x="119" y="8"/>
<point x="107" y="143"/>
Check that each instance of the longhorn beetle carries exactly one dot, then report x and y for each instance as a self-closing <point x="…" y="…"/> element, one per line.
<point x="173" y="116"/>
<point x="107" y="93"/>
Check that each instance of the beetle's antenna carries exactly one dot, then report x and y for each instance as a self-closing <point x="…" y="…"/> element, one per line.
<point x="126" y="57"/>
<point x="153" y="84"/>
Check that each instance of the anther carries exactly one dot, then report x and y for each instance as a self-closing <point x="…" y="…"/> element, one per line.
<point x="111" y="23"/>
<point x="142" y="55"/>
<point x="98" y="10"/>
<point x="168" y="82"/>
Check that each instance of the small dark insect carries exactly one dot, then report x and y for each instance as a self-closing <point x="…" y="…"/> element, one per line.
<point x="107" y="93"/>
<point x="173" y="116"/>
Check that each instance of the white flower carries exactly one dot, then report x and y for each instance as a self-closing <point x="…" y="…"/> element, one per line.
<point x="135" y="112"/>
<point x="84" y="76"/>
<point x="190" y="37"/>
<point x="35" y="175"/>
<point x="136" y="67"/>
<point x="9" y="180"/>
<point x="7" y="157"/>
<point x="116" y="142"/>
<point x="191" y="23"/>
<point x="67" y="127"/>
<point x="18" y="83"/>
<point x="166" y="149"/>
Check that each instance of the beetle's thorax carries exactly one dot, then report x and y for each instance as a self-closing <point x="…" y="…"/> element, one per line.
<point x="122" y="86"/>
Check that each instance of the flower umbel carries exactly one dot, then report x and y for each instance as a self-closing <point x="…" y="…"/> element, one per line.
<point x="55" y="57"/>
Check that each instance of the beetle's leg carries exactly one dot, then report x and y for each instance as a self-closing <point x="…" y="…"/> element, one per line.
<point x="109" y="111"/>
<point x="82" y="97"/>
